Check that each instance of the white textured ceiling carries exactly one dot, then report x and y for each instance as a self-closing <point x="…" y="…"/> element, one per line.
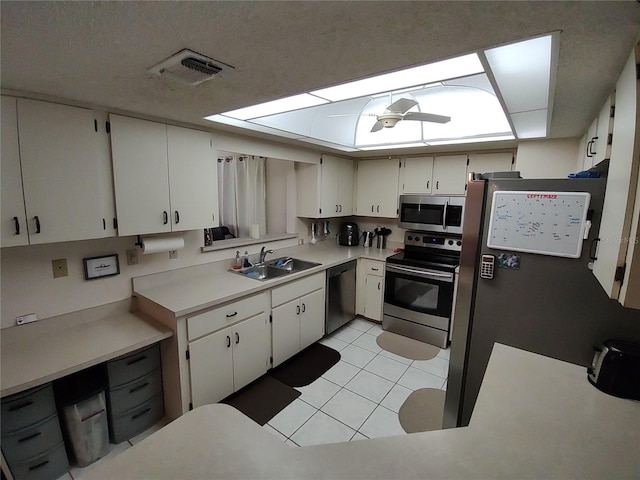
<point x="98" y="53"/>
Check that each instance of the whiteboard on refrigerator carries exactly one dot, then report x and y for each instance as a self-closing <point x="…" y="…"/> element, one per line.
<point x="547" y="223"/>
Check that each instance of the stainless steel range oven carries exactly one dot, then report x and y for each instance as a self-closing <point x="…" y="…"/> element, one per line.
<point x="419" y="287"/>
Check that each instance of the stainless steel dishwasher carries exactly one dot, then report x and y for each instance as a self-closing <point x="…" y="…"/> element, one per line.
<point x="341" y="296"/>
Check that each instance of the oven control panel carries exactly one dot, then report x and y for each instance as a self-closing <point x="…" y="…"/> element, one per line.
<point x="422" y="239"/>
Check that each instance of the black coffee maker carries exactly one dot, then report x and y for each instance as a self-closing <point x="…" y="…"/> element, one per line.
<point x="349" y="234"/>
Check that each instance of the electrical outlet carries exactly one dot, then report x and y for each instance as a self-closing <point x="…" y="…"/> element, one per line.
<point x="173" y="254"/>
<point x="132" y="257"/>
<point x="28" y="318"/>
<point x="59" y="267"/>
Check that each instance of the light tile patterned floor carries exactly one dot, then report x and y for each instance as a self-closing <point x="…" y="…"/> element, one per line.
<point x="357" y="398"/>
<point x="360" y="396"/>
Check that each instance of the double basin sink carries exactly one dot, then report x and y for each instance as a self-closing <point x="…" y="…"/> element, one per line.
<point x="278" y="267"/>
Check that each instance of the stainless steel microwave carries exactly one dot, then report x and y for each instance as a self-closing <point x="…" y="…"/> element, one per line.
<point x="429" y="213"/>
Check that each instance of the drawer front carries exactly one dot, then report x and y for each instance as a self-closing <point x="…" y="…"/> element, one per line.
<point x="296" y="289"/>
<point x="52" y="464"/>
<point x="136" y="420"/>
<point x="372" y="267"/>
<point x="226" y="315"/>
<point x="133" y="366"/>
<point x="127" y="396"/>
<point x="33" y="440"/>
<point x="26" y="408"/>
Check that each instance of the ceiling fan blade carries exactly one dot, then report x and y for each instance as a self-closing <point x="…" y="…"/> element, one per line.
<point x="426" y="117"/>
<point x="343" y="115"/>
<point x="401" y="106"/>
<point x="377" y="126"/>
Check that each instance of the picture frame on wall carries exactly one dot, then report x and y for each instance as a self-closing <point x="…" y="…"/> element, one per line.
<point x="100" y="267"/>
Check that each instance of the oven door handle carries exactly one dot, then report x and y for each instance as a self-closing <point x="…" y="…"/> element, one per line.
<point x="421" y="273"/>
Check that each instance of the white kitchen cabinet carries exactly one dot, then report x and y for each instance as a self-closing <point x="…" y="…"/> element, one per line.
<point x="617" y="252"/>
<point x="14" y="219"/>
<point x="325" y="190"/>
<point x="223" y="359"/>
<point x="165" y="177"/>
<point x="298" y="316"/>
<point x="449" y="175"/>
<point x="490" y="162"/>
<point x="377" y="185"/>
<point x="416" y="175"/>
<point x="370" y="289"/>
<point x="65" y="174"/>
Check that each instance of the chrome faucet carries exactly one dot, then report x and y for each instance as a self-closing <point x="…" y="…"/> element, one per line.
<point x="263" y="253"/>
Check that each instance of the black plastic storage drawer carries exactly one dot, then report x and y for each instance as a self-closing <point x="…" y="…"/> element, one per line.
<point x="26" y="408"/>
<point x="126" y="425"/>
<point x="133" y="366"/>
<point x="32" y="440"/>
<point x="49" y="465"/>
<point x="127" y="396"/>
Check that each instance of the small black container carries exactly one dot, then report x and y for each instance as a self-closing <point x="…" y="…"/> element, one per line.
<point x="349" y="235"/>
<point x="616" y="369"/>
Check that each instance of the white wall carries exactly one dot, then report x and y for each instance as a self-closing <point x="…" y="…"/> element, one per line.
<point x="554" y="158"/>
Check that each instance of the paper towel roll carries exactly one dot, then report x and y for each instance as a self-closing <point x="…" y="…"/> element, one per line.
<point x="255" y="230"/>
<point x="161" y="244"/>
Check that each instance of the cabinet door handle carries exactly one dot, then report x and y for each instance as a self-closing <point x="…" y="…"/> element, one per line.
<point x="16" y="223"/>
<point x="37" y="223"/>
<point x="336" y="208"/>
<point x="304" y="308"/>
<point x="137" y="415"/>
<point x="340" y="208"/>
<point x="589" y="148"/>
<point x="136" y="360"/>
<point x="104" y="223"/>
<point x="229" y="315"/>
<point x="177" y="216"/>
<point x="165" y="217"/>
<point x="437" y="185"/>
<point x="427" y="184"/>
<point x="372" y="208"/>
<point x="237" y="338"/>
<point x="228" y="341"/>
<point x="297" y="309"/>
<point x="29" y="437"/>
<point x="378" y="285"/>
<point x="378" y="209"/>
<point x="374" y="269"/>
<point x="591" y="143"/>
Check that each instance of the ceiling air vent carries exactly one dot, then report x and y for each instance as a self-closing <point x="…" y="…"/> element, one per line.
<point x="189" y="67"/>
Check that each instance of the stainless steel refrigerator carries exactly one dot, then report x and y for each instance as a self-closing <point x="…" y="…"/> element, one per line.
<point x="539" y="302"/>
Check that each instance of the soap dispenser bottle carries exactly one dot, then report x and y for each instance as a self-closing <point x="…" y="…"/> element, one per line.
<point x="245" y="261"/>
<point x="237" y="265"/>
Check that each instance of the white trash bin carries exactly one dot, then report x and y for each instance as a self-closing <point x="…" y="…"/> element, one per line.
<point x="86" y="423"/>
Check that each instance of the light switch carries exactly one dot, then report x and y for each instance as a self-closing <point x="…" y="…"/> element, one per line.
<point x="59" y="267"/>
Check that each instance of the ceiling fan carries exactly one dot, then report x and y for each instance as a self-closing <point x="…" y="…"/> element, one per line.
<point x="399" y="110"/>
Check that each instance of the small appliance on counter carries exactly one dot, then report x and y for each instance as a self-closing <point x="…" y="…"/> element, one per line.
<point x="349" y="235"/>
<point x="616" y="369"/>
<point x="367" y="239"/>
<point x="382" y="234"/>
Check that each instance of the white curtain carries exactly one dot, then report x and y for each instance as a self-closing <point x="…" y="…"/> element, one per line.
<point x="242" y="193"/>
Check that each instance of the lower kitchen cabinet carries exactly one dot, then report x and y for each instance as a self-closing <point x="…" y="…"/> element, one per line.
<point x="225" y="357"/>
<point x="370" y="289"/>
<point x="298" y="316"/>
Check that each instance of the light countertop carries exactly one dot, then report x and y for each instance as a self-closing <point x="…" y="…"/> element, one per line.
<point x="535" y="417"/>
<point x="186" y="290"/>
<point x="38" y="353"/>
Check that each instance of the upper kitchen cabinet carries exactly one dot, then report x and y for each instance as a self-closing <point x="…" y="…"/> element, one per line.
<point x="325" y="190"/>
<point x="377" y="184"/>
<point x="416" y="175"/>
<point x="616" y="267"/>
<point x="65" y="174"/>
<point x="596" y="143"/>
<point x="490" y="162"/>
<point x="165" y="177"/>
<point x="449" y="175"/>
<point x="14" y="218"/>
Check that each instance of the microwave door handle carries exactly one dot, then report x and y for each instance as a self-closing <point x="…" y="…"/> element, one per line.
<point x="444" y="215"/>
<point x="420" y="273"/>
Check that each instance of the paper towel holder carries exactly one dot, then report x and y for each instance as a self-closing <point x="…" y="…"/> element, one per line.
<point x="139" y="242"/>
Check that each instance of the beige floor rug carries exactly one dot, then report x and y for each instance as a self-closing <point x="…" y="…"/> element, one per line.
<point x="422" y="411"/>
<point x="406" y="347"/>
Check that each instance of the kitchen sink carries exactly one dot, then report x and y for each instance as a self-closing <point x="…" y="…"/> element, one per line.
<point x="291" y="264"/>
<point x="262" y="272"/>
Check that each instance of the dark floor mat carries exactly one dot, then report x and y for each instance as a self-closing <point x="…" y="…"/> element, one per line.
<point x="263" y="399"/>
<point x="306" y="366"/>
